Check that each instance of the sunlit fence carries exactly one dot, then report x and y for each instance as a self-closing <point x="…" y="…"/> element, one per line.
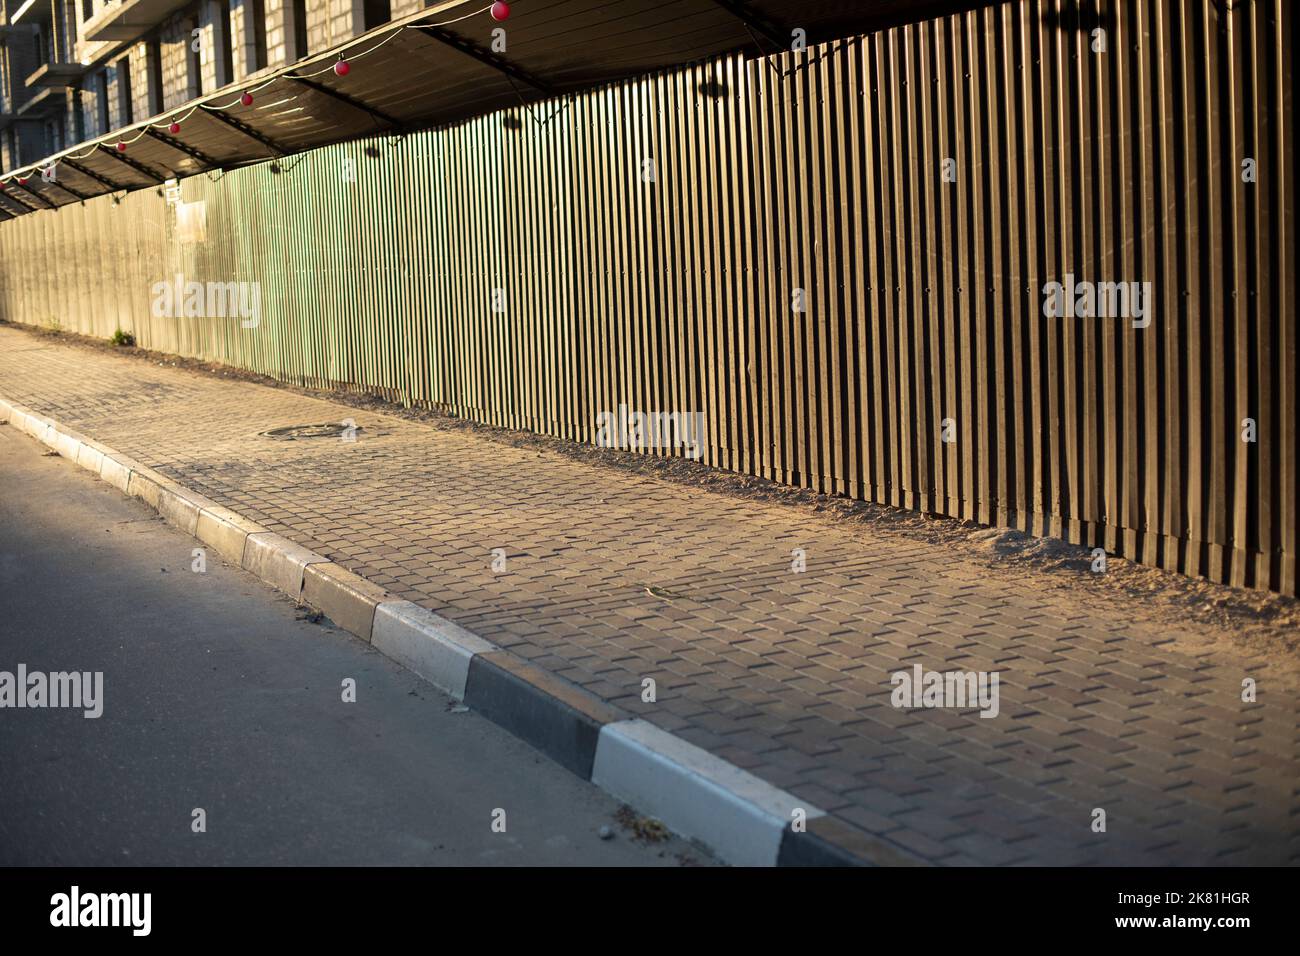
<point x="1006" y="265"/>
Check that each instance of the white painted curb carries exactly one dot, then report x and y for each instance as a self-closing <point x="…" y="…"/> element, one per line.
<point x="278" y="561"/>
<point x="433" y="647"/>
<point x="739" y="816"/>
<point x="698" y="795"/>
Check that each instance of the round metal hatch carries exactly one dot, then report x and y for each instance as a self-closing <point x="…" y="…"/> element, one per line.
<point x="336" y="430"/>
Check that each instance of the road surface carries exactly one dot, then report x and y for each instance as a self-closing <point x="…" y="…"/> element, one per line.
<point x="218" y="696"/>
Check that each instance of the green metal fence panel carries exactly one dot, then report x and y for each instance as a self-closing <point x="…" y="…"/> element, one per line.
<point x="840" y="257"/>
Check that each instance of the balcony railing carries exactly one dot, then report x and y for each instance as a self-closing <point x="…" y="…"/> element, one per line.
<point x="130" y="19"/>
<point x="56" y="75"/>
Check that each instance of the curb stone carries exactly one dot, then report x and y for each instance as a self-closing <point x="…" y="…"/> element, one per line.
<point x="743" y="819"/>
<point x="558" y="718"/>
<point x="226" y="532"/>
<point x="278" y="561"/>
<point x="694" y="792"/>
<point x="181" y="507"/>
<point x="832" y="842"/>
<point x="347" y="599"/>
<point x="436" y="649"/>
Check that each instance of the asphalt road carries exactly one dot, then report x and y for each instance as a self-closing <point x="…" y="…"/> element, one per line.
<point x="218" y="696"/>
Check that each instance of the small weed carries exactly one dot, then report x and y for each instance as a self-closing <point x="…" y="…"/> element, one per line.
<point x="642" y="828"/>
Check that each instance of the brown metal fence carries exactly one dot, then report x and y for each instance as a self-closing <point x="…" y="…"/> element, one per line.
<point x="839" y="256"/>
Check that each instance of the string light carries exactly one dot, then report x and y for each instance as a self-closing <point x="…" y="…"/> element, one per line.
<point x="342" y="67"/>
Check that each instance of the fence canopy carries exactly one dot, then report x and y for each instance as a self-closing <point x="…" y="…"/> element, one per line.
<point x="433" y="68"/>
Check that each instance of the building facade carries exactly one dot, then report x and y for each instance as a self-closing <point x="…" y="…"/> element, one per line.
<point x="75" y="69"/>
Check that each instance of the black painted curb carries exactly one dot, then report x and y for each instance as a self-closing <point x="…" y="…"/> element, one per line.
<point x="828" y="841"/>
<point x="559" y="719"/>
<point x="556" y="717"/>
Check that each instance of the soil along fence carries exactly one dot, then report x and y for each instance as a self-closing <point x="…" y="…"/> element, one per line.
<point x="1008" y="265"/>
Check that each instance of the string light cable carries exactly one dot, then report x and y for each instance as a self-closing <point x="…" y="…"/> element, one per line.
<point x="172" y="123"/>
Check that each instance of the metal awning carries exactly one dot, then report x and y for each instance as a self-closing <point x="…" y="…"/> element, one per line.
<point x="414" y="74"/>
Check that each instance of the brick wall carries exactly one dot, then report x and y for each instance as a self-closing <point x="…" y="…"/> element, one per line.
<point x="78" y="119"/>
<point x="219" y="53"/>
<point x="140" y="81"/>
<point x="279" y="33"/>
<point x="114" y="112"/>
<point x="243" y="38"/>
<point x="179" y="81"/>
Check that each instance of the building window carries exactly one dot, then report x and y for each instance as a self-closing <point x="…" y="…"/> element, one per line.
<point x="62" y="46"/>
<point x="257" y="12"/>
<point x="226" y="61"/>
<point x="299" y="29"/>
<point x="101" y="94"/>
<point x="153" y="69"/>
<point x="125" y="105"/>
<point x="377" y="13"/>
<point x="77" y="124"/>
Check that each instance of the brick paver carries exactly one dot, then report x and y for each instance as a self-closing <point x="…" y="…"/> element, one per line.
<point x="787" y="675"/>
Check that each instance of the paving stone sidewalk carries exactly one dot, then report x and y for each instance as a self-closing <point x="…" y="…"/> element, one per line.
<point x="612" y="578"/>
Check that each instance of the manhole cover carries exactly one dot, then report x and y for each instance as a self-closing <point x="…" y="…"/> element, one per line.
<point x="342" y="430"/>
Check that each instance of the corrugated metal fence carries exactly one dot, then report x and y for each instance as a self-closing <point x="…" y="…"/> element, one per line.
<point x="839" y="256"/>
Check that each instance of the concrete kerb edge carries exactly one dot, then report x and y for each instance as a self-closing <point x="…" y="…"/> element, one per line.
<point x="742" y="818"/>
<point x="347" y="599"/>
<point x="277" y="561"/>
<point x="431" y="646"/>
